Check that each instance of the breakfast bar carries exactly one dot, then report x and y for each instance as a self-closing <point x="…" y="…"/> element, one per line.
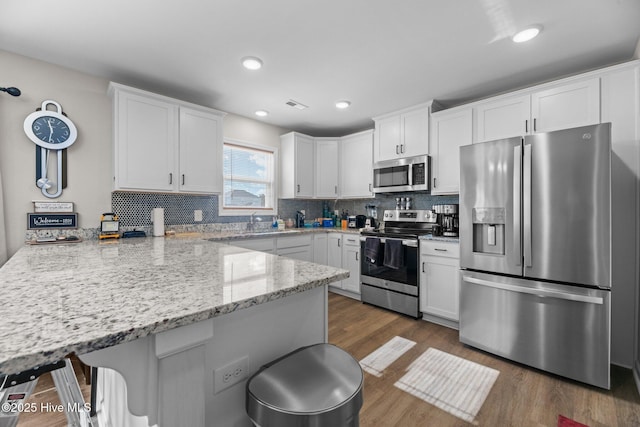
<point x="171" y="315"/>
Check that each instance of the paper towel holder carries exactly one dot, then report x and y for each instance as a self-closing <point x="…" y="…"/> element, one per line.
<point x="157" y="219"/>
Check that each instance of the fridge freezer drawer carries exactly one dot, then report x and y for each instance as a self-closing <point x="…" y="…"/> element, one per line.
<point x="560" y="329"/>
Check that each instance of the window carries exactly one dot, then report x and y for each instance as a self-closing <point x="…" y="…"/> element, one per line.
<point x="249" y="179"/>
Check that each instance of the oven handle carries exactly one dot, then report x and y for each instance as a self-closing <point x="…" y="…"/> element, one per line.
<point x="405" y="242"/>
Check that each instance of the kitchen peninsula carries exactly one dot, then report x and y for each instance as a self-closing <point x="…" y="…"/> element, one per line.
<point x="164" y="312"/>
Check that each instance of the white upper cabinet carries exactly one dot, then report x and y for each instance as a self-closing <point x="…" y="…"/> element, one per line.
<point x="327" y="168"/>
<point x="200" y="152"/>
<point x="562" y="106"/>
<point x="297" y="170"/>
<point x="450" y="129"/>
<point x="502" y="118"/>
<point x="146" y="139"/>
<point x="356" y="165"/>
<point x="387" y="138"/>
<point x="414" y="126"/>
<point x="566" y="106"/>
<point x="165" y="145"/>
<point x="402" y="134"/>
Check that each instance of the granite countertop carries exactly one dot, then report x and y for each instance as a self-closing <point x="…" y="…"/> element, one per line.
<point x="268" y="232"/>
<point x="440" y="238"/>
<point x="81" y="297"/>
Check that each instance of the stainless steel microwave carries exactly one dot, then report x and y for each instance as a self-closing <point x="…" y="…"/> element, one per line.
<point x="406" y="174"/>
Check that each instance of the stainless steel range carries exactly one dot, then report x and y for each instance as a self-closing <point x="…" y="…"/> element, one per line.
<point x="389" y="272"/>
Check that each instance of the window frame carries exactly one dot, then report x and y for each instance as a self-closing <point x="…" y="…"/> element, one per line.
<point x="237" y="211"/>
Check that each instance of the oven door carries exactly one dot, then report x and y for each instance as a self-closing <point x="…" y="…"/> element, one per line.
<point x="403" y="279"/>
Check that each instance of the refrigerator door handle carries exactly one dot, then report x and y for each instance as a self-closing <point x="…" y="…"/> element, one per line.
<point x="543" y="293"/>
<point x="526" y="218"/>
<point x="517" y="226"/>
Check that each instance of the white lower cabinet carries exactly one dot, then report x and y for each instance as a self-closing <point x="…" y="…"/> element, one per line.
<point x="320" y="248"/>
<point x="343" y="251"/>
<point x="261" y="244"/>
<point x="440" y="281"/>
<point x="296" y="247"/>
<point x="334" y="255"/>
<point x="351" y="262"/>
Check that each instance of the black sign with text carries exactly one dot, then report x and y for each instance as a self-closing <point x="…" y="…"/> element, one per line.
<point x="38" y="221"/>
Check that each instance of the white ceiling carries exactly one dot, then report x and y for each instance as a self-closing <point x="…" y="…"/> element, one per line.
<point x="382" y="55"/>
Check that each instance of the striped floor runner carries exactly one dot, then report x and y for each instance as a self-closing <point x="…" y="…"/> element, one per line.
<point x="451" y="383"/>
<point x="376" y="362"/>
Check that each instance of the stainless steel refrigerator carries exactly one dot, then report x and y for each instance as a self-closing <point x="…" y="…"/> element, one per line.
<point x="535" y="250"/>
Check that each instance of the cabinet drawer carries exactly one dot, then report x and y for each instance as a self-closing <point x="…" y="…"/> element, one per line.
<point x="263" y="245"/>
<point x="437" y="248"/>
<point x="351" y="239"/>
<point x="293" y="241"/>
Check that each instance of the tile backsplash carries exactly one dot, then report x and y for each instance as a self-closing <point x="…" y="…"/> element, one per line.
<point x="134" y="209"/>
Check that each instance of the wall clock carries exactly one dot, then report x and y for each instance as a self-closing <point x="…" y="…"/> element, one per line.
<point x="51" y="131"/>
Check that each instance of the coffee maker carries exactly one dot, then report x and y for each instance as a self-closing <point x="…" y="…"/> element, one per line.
<point x="447" y="220"/>
<point x="372" y="216"/>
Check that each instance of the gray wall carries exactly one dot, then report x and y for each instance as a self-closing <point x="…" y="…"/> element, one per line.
<point x="84" y="99"/>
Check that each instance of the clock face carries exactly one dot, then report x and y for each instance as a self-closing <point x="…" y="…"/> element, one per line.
<point x="51" y="130"/>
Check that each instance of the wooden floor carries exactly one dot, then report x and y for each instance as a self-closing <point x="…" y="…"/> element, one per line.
<point x="521" y="397"/>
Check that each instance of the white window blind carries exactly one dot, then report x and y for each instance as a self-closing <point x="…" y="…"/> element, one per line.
<point x="248" y="178"/>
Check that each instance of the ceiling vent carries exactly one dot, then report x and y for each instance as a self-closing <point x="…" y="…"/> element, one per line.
<point x="296" y="104"/>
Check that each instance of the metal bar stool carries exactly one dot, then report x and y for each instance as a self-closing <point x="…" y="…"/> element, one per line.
<point x="15" y="389"/>
<point x="314" y="386"/>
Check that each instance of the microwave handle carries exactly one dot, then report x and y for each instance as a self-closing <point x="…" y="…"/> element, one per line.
<point x="411" y="174"/>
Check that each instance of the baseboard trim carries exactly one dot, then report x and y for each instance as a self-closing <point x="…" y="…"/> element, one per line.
<point x="344" y="293"/>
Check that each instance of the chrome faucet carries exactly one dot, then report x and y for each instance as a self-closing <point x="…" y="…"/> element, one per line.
<point x="253" y="218"/>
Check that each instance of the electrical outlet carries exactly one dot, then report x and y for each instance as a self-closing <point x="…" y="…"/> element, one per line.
<point x="197" y="215"/>
<point x="230" y="374"/>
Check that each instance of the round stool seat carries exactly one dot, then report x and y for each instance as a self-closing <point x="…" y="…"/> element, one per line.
<point x="319" y="385"/>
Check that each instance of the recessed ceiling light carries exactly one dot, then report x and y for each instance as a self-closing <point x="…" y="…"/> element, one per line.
<point x="527" y="34"/>
<point x="251" y="63"/>
<point x="262" y="113"/>
<point x="343" y="104"/>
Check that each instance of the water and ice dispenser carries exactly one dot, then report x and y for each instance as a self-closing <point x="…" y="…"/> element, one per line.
<point x="488" y="230"/>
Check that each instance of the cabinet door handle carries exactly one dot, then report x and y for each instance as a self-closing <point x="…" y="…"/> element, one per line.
<point x="182" y="179"/>
<point x="298" y="188"/>
<point x="338" y="242"/>
<point x="336" y="190"/>
<point x="370" y="190"/>
<point x="170" y="178"/>
<point x="397" y="149"/>
<point x="434" y="183"/>
<point x="423" y="268"/>
<point x="439" y="250"/>
<point x="402" y="148"/>
<point x="357" y="259"/>
<point x="526" y="126"/>
<point x="535" y="127"/>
